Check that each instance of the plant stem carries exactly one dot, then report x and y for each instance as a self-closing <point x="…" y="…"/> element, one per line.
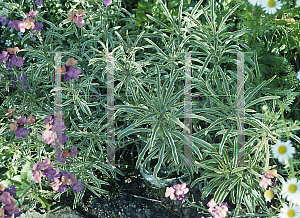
<point x="292" y="168"/>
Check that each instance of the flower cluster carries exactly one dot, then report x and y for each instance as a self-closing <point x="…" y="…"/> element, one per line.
<point x="61" y="181"/>
<point x="69" y="70"/>
<point x="269" y="6"/>
<point x="7" y="197"/>
<point x="77" y="17"/>
<point x="217" y="211"/>
<point x="28" y="23"/>
<point x="291" y="188"/>
<point x="266" y="180"/>
<point x="179" y="190"/>
<point x="51" y="133"/>
<point x="11" y="59"/>
<point x="18" y="126"/>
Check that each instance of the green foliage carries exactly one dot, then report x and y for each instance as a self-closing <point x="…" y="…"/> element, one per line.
<point x="149" y="94"/>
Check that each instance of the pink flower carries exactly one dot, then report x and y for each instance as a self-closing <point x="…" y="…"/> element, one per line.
<point x="37" y="176"/>
<point x="31" y="119"/>
<point x="74" y="72"/>
<point x="170" y="192"/>
<point x="21" y="26"/>
<point x="182" y="189"/>
<point x="71" y="62"/>
<point x="46" y="164"/>
<point x="13" y="126"/>
<point x="6" y="198"/>
<point x="264" y="182"/>
<point x="55" y="185"/>
<point x="80" y="12"/>
<point x="74" y="152"/>
<point x="79" y="21"/>
<point x="71" y="16"/>
<point x="270" y="174"/>
<point x="49" y="137"/>
<point x="10" y="208"/>
<point x="10" y="112"/>
<point x="32" y="14"/>
<point x="63" y="69"/>
<point x="211" y="203"/>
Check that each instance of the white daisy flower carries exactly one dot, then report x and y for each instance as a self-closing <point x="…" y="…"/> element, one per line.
<point x="255" y="2"/>
<point x="265" y="107"/>
<point x="289" y="212"/>
<point x="291" y="191"/>
<point x="283" y="150"/>
<point x="298" y="77"/>
<point x="271" y="6"/>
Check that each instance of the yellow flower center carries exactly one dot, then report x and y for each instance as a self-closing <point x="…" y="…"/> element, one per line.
<point x="291" y="213"/>
<point x="269" y="195"/>
<point x="282" y="149"/>
<point x="271" y="3"/>
<point x="292" y="188"/>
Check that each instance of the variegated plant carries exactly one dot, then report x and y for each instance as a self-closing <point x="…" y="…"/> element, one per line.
<point x="163" y="109"/>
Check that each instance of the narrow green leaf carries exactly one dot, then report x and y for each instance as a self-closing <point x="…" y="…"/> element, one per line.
<point x="149" y="144"/>
<point x="170" y="139"/>
<point x="224" y="139"/>
<point x="158" y="165"/>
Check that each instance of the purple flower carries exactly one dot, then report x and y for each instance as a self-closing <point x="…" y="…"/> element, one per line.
<point x="78" y="186"/>
<point x="23" y="121"/>
<point x="54" y="173"/>
<point x="18" y="61"/>
<point x="12" y="189"/>
<point x="13" y="24"/>
<point x="48" y="120"/>
<point x="5" y="55"/>
<point x="67" y="78"/>
<point x="73" y="72"/>
<point x="9" y="65"/>
<point x="62" y="188"/>
<point x="74" y="152"/>
<point x="60" y="158"/>
<point x="21" y="133"/>
<point x="38" y="26"/>
<point x="107" y="2"/>
<point x="3" y="20"/>
<point x="39" y="2"/>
